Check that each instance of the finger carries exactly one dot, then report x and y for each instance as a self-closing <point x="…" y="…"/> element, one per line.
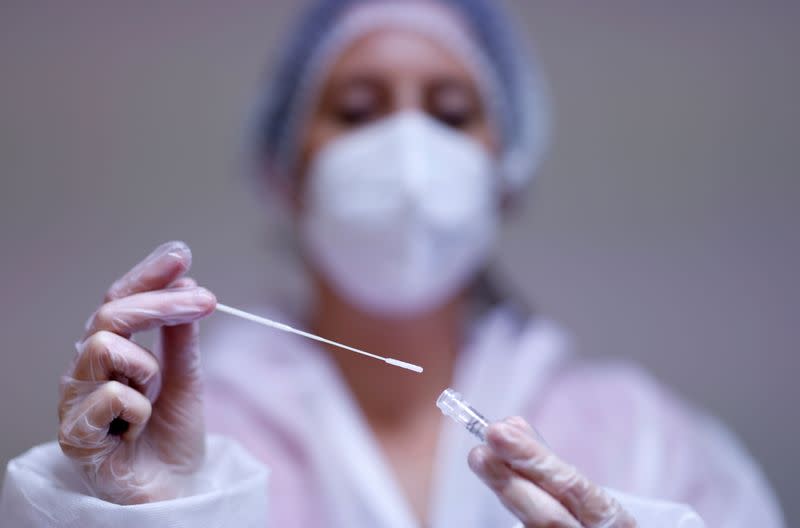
<point x="182" y="282"/>
<point x="181" y="355"/>
<point x="106" y="356"/>
<point x="143" y="311"/>
<point x="530" y="504"/>
<point x="161" y="267"/>
<point x="178" y="414"/>
<point x="84" y="432"/>
<point x="588" y="503"/>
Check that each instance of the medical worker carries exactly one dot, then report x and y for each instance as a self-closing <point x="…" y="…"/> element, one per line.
<point x="397" y="135"/>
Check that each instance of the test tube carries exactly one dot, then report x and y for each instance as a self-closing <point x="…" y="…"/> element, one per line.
<point x="452" y="404"/>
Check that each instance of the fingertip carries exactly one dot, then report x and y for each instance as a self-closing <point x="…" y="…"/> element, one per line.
<point x="491" y="468"/>
<point x="179" y="252"/>
<point x="509" y="441"/>
<point x="205" y="299"/>
<point x="519" y="421"/>
<point x="177" y="248"/>
<point x="502" y="435"/>
<point x="162" y="266"/>
<point x="171" y="260"/>
<point x="183" y="282"/>
<point x="477" y="458"/>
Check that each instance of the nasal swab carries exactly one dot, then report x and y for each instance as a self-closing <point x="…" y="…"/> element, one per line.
<point x="286" y="328"/>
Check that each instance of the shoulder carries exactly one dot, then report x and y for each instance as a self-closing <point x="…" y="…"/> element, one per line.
<point x="623" y="397"/>
<point x="626" y="430"/>
<point x="621" y="406"/>
<point x="624" y="387"/>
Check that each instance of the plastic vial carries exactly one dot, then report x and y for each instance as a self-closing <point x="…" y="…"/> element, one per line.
<point x="452" y="404"/>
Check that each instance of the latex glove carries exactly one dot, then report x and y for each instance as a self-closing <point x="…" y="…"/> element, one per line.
<point x="132" y="422"/>
<point x="538" y="487"/>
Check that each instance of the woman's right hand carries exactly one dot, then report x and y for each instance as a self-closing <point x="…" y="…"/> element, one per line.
<point x="131" y="419"/>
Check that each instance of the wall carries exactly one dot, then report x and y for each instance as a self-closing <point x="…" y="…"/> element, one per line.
<point x="663" y="227"/>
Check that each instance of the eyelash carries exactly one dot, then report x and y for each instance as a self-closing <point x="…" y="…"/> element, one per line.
<point x="457" y="120"/>
<point x="349" y="116"/>
<point x="352" y="114"/>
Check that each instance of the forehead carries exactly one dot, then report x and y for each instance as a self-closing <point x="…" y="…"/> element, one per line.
<point x="398" y="52"/>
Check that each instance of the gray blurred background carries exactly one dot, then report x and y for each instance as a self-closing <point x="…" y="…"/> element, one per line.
<point x="663" y="228"/>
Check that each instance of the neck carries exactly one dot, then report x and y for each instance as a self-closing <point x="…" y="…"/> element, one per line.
<point x="389" y="395"/>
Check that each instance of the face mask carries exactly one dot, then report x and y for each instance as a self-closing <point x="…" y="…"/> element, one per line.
<point x="399" y="215"/>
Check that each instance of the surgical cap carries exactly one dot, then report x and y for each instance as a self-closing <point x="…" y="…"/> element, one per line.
<point x="515" y="89"/>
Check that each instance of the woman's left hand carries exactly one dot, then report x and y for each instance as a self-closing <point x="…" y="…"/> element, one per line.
<point x="537" y="486"/>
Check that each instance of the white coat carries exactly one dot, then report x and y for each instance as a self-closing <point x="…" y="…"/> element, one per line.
<point x="282" y="399"/>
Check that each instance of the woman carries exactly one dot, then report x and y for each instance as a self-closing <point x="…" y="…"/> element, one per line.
<point x="397" y="134"/>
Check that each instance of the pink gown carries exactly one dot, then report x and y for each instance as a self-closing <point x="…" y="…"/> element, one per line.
<point x="309" y="459"/>
<point x="281" y="397"/>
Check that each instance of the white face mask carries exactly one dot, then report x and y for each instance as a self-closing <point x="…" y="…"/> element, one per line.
<point x="400" y="214"/>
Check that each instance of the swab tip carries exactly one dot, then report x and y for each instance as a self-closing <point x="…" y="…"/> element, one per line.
<point x="403" y="364"/>
<point x="286" y="328"/>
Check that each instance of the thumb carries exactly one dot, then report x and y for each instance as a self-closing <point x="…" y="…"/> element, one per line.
<point x="177" y="420"/>
<point x="181" y="352"/>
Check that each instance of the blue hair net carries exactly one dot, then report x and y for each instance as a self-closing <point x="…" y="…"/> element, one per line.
<point x="523" y="125"/>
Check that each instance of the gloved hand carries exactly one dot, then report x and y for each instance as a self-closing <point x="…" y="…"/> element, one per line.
<point x="538" y="487"/>
<point x="134" y="423"/>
